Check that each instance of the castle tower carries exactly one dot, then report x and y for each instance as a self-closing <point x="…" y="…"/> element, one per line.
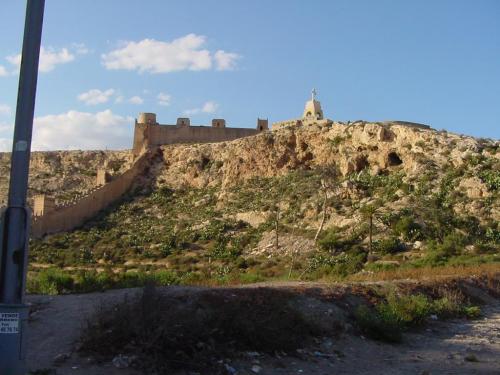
<point x="102" y="177"/>
<point x="262" y="124"/>
<point x="218" y="123"/>
<point x="43" y="205"/>
<point x="183" y="121"/>
<point x="313" y="110"/>
<point x="147" y="118"/>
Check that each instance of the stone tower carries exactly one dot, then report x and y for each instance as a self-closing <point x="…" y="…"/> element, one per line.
<point x="43" y="205"/>
<point x="102" y="177"/>
<point x="147" y="118"/>
<point x="262" y="124"/>
<point x="313" y="110"/>
<point x="218" y="123"/>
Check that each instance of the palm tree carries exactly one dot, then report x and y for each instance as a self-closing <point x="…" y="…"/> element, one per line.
<point x="368" y="212"/>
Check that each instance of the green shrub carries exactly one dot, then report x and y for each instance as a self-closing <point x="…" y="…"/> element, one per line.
<point x="454" y="304"/>
<point x="491" y="178"/>
<point x="407" y="309"/>
<point x="168" y="246"/>
<point x="438" y="253"/>
<point x="51" y="281"/>
<point x="407" y="229"/>
<point x="471" y="312"/>
<point x="330" y="241"/>
<point x="164" y="278"/>
<point x="389" y="245"/>
<point x="220" y="250"/>
<point x="321" y="264"/>
<point x="377" y="326"/>
<point x="389" y="319"/>
<point x="493" y="235"/>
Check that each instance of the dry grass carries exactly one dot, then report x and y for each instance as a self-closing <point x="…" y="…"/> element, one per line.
<point x="429" y="273"/>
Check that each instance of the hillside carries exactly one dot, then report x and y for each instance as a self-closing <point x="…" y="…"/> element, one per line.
<point x="209" y="212"/>
<point x="64" y="174"/>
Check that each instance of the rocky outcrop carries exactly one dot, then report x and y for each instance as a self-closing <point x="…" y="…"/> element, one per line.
<point x="474" y="188"/>
<point x="375" y="146"/>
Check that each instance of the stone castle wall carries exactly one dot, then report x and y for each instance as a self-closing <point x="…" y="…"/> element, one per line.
<point x="74" y="214"/>
<point x="147" y="135"/>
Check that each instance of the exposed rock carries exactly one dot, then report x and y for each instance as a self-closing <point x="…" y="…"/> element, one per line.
<point x="474" y="187"/>
<point x="289" y="244"/>
<point x="256" y="369"/>
<point x="252" y="217"/>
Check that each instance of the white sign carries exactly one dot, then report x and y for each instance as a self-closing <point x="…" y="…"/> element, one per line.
<point x="9" y="323"/>
<point x="21" y="146"/>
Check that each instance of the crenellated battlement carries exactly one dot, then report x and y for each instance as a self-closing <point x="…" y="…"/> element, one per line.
<point x="52" y="217"/>
<point x="149" y="133"/>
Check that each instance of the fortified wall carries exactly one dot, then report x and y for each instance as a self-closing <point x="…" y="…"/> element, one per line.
<point x="149" y="133"/>
<point x="48" y="217"/>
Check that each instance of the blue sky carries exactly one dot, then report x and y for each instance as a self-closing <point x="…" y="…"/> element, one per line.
<point x="435" y="62"/>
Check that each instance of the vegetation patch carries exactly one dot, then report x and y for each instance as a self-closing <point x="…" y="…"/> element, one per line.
<point x="172" y="332"/>
<point x="388" y="320"/>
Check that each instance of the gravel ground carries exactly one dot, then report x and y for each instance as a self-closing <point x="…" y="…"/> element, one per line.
<point x="443" y="347"/>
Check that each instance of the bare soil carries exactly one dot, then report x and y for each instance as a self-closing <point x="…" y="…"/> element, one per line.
<point x="442" y="347"/>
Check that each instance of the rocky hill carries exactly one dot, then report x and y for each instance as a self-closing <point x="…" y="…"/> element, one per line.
<point x="64" y="174"/>
<point x="301" y="201"/>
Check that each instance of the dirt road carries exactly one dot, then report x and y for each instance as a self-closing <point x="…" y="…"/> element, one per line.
<point x="443" y="347"/>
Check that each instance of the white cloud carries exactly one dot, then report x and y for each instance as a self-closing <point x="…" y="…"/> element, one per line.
<point x="164" y="99"/>
<point x="119" y="99"/>
<point x="80" y="48"/>
<point x="74" y="130"/>
<point x="153" y="56"/>
<point x="208" y="107"/>
<point x="4" y="109"/>
<point x="225" y="60"/>
<point x="5" y="144"/>
<point x="49" y="58"/>
<point x="96" y="96"/>
<point x="82" y="130"/>
<point x="3" y="71"/>
<point x="136" y="100"/>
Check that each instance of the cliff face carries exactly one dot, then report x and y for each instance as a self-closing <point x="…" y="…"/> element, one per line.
<point x="378" y="148"/>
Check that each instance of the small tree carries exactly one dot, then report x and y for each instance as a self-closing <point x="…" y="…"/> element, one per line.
<point x="328" y="184"/>
<point x="368" y="212"/>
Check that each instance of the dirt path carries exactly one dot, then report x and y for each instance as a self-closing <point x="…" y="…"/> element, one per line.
<point x="444" y="347"/>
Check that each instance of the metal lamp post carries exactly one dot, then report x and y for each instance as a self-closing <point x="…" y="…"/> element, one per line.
<point x="14" y="229"/>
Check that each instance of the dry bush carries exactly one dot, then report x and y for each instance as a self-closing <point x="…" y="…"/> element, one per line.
<point x="193" y="332"/>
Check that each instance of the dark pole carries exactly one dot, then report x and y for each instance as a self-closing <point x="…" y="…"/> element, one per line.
<point x="16" y="217"/>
